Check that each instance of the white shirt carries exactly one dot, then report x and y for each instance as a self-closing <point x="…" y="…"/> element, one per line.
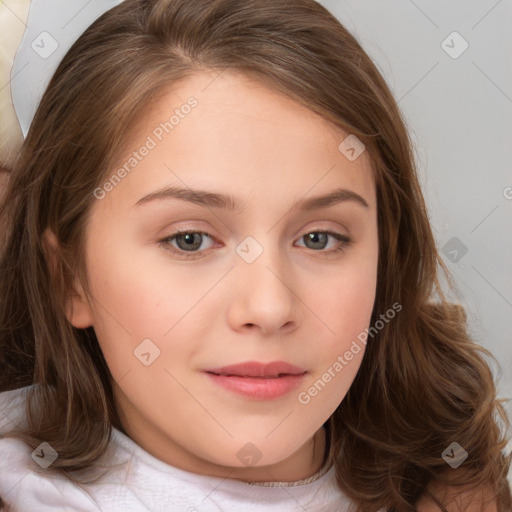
<point x="144" y="483"/>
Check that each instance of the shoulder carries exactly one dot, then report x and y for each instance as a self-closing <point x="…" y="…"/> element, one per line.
<point x="455" y="499"/>
<point x="25" y="483"/>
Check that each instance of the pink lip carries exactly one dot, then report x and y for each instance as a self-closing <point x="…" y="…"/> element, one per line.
<point x="258" y="380"/>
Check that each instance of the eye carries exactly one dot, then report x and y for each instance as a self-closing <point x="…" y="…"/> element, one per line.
<point x="318" y="240"/>
<point x="189" y="242"/>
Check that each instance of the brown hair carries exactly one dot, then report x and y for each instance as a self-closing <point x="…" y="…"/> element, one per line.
<point x="422" y="384"/>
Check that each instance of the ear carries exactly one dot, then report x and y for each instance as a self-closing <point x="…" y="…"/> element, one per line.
<point x="78" y="310"/>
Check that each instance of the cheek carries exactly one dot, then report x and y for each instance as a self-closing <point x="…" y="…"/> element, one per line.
<point x="136" y="299"/>
<point x="347" y="311"/>
<point x="344" y="304"/>
<point x="345" y="301"/>
<point x="126" y="306"/>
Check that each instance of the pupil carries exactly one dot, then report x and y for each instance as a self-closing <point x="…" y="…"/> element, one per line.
<point x="190" y="243"/>
<point x="315" y="237"/>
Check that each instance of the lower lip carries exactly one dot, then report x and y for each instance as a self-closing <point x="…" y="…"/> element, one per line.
<point x="259" y="388"/>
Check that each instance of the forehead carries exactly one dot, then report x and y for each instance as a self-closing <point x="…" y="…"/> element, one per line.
<point x="229" y="132"/>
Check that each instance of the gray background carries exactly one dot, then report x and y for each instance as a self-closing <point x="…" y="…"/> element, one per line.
<point x="459" y="114"/>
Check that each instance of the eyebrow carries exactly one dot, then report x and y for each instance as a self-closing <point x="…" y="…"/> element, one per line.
<point x="231" y="203"/>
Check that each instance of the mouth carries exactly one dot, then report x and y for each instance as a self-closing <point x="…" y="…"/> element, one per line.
<point x="271" y="370"/>
<point x="252" y="376"/>
<point x="258" y="381"/>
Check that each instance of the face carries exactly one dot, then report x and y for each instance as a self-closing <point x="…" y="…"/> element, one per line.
<point x="263" y="274"/>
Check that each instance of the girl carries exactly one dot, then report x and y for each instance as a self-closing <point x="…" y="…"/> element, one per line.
<point x="219" y="288"/>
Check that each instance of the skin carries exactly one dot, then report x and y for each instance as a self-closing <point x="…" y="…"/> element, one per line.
<point x="295" y="302"/>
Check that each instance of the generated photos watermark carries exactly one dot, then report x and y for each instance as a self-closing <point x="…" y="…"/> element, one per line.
<point x="152" y="141"/>
<point x="304" y="397"/>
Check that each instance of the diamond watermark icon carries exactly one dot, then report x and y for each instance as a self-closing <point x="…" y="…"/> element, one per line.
<point x="351" y="147"/>
<point x="146" y="352"/>
<point x="249" y="454"/>
<point x="454" y="45"/>
<point x="454" y="249"/>
<point x="454" y="455"/>
<point x="44" y="45"/>
<point x="44" y="455"/>
<point x="249" y="250"/>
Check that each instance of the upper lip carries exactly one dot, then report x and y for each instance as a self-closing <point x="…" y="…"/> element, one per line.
<point x="256" y="369"/>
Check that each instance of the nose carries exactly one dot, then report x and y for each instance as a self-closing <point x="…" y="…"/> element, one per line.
<point x="263" y="296"/>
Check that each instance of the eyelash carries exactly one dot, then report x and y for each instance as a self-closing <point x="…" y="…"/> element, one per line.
<point x="191" y="255"/>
